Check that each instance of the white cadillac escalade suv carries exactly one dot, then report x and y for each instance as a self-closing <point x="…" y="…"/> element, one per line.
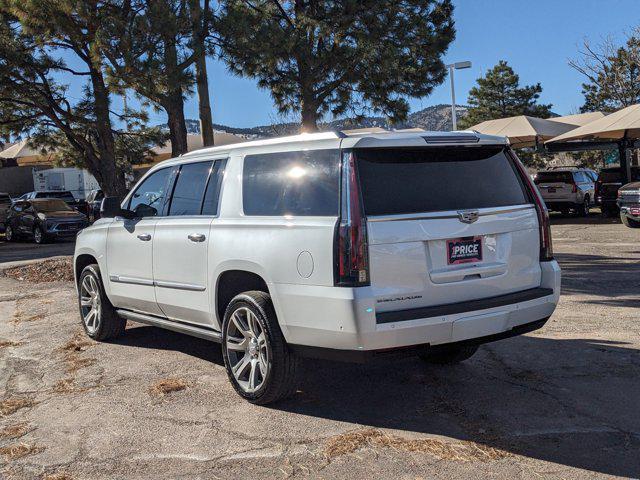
<point x="325" y="245"/>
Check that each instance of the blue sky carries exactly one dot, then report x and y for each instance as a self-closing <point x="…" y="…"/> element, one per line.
<point x="536" y="37"/>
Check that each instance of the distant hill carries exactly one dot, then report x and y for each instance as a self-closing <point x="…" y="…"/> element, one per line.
<point x="437" y="118"/>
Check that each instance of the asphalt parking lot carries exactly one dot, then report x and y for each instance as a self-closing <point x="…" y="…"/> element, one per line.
<point x="562" y="402"/>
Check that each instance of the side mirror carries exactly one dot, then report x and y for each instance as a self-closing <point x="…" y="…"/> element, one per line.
<point x="110" y="208"/>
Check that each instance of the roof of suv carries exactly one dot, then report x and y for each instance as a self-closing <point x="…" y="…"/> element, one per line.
<point x="363" y="138"/>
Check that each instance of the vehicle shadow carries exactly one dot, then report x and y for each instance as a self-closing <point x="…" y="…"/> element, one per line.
<point x="572" y="402"/>
<point x="605" y="276"/>
<point x="144" y="336"/>
<point x="595" y="218"/>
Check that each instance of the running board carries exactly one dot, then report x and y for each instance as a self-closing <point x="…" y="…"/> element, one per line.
<point x="171" y="325"/>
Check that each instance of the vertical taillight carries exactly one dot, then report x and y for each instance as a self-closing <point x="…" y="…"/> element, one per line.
<point x="350" y="247"/>
<point x="546" y="246"/>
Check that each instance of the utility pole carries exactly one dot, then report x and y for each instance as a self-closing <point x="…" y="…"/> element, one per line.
<point x="452" y="67"/>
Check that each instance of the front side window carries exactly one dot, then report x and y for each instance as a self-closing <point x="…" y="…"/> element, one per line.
<point x="189" y="189"/>
<point x="292" y="183"/>
<point x="148" y="199"/>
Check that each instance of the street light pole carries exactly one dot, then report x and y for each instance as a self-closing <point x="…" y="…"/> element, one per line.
<point x="452" y="67"/>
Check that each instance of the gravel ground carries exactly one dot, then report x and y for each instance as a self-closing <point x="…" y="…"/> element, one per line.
<point x="562" y="402"/>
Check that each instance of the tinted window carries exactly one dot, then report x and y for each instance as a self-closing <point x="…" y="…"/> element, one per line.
<point x="66" y="196"/>
<point x="291" y="183"/>
<point x="149" y="197"/>
<point x="212" y="195"/>
<point x="397" y="181"/>
<point x="53" y="205"/>
<point x="189" y="189"/>
<point x="580" y="177"/>
<point x="554" y="177"/>
<point x="614" y="175"/>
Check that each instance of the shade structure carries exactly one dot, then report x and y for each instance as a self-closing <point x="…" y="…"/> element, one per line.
<point x="578" y="119"/>
<point x="24" y="154"/>
<point x="523" y="131"/>
<point x="623" y="124"/>
<point x="194" y="142"/>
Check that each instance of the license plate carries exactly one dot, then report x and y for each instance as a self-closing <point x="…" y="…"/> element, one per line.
<point x="551" y="190"/>
<point x="464" y="250"/>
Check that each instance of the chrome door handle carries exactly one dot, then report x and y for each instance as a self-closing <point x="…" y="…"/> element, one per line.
<point x="197" y="237"/>
<point x="145" y="237"/>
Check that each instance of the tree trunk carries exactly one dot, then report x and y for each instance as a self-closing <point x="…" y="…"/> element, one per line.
<point x="113" y="181"/>
<point x="177" y="127"/>
<point x="200" y="29"/>
<point x="204" y="105"/>
<point x="309" y="117"/>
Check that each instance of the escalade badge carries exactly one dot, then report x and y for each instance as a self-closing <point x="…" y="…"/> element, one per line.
<point x="468" y="216"/>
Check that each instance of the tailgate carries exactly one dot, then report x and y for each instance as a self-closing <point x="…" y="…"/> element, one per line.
<point x="447" y="225"/>
<point x="420" y="271"/>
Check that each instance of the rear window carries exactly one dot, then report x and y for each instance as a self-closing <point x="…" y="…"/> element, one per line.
<point x="291" y="183"/>
<point x="554" y="177"/>
<point x="399" y="181"/>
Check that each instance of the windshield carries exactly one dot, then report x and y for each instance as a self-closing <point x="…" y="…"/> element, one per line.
<point x="53" y="205"/>
<point x="66" y="196"/>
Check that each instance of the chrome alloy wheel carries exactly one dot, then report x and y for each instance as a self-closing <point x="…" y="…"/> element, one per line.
<point x="90" y="304"/>
<point x="247" y="349"/>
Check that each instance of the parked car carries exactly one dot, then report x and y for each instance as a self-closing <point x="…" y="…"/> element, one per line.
<point x="629" y="204"/>
<point x="567" y="189"/>
<point x="43" y="219"/>
<point x="607" y="185"/>
<point x="5" y="204"/>
<point x="325" y="245"/>
<point x="94" y="200"/>
<point x="64" y="195"/>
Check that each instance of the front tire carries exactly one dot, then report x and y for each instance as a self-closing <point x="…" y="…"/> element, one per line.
<point x="448" y="354"/>
<point x="583" y="210"/>
<point x="9" y="234"/>
<point x="629" y="222"/>
<point x="259" y="364"/>
<point x="99" y="318"/>
<point x="38" y="235"/>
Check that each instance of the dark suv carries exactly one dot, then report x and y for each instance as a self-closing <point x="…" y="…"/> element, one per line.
<point x="607" y="185"/>
<point x="629" y="204"/>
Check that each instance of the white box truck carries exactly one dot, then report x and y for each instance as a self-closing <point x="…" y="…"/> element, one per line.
<point x="77" y="181"/>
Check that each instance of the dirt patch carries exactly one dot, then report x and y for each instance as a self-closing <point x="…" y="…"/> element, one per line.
<point x="14" y="431"/>
<point x="57" y="476"/>
<point x="9" y="343"/>
<point x="56" y="270"/>
<point x="72" y="351"/>
<point x="78" y="343"/>
<point x="22" y="317"/>
<point x="12" y="405"/>
<point x="464" y="451"/>
<point x="167" y="386"/>
<point x="12" y="452"/>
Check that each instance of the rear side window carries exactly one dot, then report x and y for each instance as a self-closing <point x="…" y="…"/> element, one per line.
<point x="292" y="183"/>
<point x="400" y="181"/>
<point x="189" y="190"/>
<point x="607" y="176"/>
<point x="554" y="177"/>
<point x="212" y="195"/>
<point x="580" y="177"/>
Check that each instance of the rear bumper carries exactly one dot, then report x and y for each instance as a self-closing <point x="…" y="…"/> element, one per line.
<point x="560" y="204"/>
<point x="345" y="319"/>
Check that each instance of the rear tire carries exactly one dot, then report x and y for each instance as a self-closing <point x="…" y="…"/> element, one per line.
<point x="609" y="212"/>
<point x="583" y="210"/>
<point x="629" y="222"/>
<point x="99" y="318"/>
<point x="258" y="361"/>
<point x="448" y="354"/>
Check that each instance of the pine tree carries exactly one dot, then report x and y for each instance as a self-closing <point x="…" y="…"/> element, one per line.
<point x="34" y="102"/>
<point x="499" y="95"/>
<point x="333" y="57"/>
